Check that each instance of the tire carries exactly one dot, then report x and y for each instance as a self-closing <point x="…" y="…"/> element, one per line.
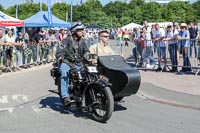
<point x="105" y="102"/>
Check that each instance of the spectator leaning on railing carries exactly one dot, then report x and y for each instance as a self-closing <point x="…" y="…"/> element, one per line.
<point x="193" y="43"/>
<point x="3" y="42"/>
<point x="161" y="47"/>
<point x="19" y="43"/>
<point x="184" y="37"/>
<point x="198" y="41"/>
<point x="137" y="50"/>
<point x="171" y="40"/>
<point x="10" y="49"/>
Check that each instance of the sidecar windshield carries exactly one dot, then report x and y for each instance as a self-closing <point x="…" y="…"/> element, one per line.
<point x="112" y="61"/>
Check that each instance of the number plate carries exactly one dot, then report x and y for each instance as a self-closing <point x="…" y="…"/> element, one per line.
<point x="92" y="69"/>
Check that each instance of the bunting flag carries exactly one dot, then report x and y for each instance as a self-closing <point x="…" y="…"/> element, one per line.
<point x="71" y="12"/>
<point x="81" y="2"/>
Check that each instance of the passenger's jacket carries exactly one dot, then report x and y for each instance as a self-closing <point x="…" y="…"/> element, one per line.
<point x="69" y="49"/>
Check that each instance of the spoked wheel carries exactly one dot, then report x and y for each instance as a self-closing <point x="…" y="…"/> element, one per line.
<point x="103" y="103"/>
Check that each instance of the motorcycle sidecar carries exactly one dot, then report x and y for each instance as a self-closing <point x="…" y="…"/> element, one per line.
<point x="125" y="79"/>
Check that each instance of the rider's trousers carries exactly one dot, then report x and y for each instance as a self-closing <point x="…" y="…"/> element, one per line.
<point x="64" y="70"/>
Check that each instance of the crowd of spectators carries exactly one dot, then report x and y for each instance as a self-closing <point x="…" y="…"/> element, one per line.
<point x="26" y="49"/>
<point x="155" y="41"/>
<point x="39" y="46"/>
<point x="34" y="47"/>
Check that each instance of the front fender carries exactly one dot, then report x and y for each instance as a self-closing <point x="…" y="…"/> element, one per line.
<point x="101" y="82"/>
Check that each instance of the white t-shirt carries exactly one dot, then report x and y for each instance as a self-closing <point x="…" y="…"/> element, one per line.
<point x="2" y="40"/>
<point x="171" y="34"/>
<point x="159" y="34"/>
<point x="147" y="36"/>
<point x="10" y="39"/>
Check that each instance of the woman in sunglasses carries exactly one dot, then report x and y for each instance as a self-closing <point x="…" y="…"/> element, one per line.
<point x="184" y="37"/>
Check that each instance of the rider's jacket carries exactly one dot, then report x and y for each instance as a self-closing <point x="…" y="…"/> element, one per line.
<point x="69" y="49"/>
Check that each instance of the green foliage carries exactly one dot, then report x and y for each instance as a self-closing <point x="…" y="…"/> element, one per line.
<point x="1" y="8"/>
<point x="115" y="14"/>
<point x="60" y="10"/>
<point x="196" y="6"/>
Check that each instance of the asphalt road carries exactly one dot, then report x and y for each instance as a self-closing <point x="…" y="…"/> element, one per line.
<point x="27" y="106"/>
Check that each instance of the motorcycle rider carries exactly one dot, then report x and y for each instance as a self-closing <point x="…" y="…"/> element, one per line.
<point x="72" y="47"/>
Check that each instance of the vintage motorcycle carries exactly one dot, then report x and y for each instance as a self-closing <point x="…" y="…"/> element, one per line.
<point x="95" y="88"/>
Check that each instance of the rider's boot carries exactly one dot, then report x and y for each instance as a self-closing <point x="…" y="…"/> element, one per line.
<point x="66" y="101"/>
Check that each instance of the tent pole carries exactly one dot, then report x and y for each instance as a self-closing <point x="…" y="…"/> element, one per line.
<point x="40" y="5"/>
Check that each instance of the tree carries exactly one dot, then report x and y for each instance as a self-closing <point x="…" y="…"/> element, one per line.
<point x="25" y="10"/>
<point x="60" y="10"/>
<point x="151" y="12"/>
<point x="196" y="9"/>
<point x="1" y="8"/>
<point x="116" y="14"/>
<point x="177" y="11"/>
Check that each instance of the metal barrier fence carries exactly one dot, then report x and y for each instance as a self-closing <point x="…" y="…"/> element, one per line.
<point x="31" y="54"/>
<point x="162" y="56"/>
<point x="159" y="56"/>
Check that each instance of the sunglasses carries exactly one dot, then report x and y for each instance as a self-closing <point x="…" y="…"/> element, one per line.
<point x="105" y="36"/>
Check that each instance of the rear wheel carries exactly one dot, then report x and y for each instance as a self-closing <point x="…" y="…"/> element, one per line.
<point x="103" y="103"/>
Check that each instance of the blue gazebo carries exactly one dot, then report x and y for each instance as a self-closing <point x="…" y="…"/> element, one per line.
<point x="40" y="19"/>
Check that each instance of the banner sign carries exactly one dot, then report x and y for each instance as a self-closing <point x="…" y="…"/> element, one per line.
<point x="49" y="13"/>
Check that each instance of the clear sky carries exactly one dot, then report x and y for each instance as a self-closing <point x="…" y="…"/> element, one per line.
<point x="7" y="3"/>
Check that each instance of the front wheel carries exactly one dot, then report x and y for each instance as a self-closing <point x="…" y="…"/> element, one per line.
<point x="103" y="102"/>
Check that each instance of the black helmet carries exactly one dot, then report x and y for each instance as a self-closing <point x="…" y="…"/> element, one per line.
<point x="77" y="26"/>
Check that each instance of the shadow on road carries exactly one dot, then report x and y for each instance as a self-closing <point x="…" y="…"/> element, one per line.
<point x="119" y="107"/>
<point x="55" y="104"/>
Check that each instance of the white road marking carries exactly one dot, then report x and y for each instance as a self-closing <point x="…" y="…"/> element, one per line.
<point x="40" y="110"/>
<point x="10" y="110"/>
<point x="20" y="97"/>
<point x="4" y="99"/>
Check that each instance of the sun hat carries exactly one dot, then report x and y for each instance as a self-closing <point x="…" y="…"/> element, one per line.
<point x="183" y="25"/>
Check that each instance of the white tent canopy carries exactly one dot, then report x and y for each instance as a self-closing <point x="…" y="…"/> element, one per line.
<point x="161" y="24"/>
<point x="6" y="20"/>
<point x="131" y="26"/>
